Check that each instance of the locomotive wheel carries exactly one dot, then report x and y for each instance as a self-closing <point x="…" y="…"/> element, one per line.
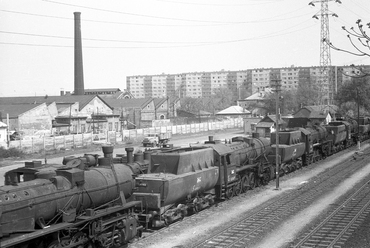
<point x="80" y="236"/>
<point x="252" y="180"/>
<point x="229" y="192"/>
<point x="266" y="177"/>
<point x="245" y="183"/>
<point x="238" y="188"/>
<point x="64" y="242"/>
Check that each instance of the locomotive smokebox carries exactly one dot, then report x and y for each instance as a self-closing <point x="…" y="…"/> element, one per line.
<point x="78" y="66"/>
<point x="130" y="152"/>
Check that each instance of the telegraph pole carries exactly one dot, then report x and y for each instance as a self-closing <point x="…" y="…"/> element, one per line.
<point x="276" y="84"/>
<point x="325" y="58"/>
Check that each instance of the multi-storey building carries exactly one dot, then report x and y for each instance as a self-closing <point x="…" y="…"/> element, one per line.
<point x="242" y="83"/>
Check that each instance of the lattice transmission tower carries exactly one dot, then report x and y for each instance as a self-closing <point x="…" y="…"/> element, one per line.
<point x="325" y="84"/>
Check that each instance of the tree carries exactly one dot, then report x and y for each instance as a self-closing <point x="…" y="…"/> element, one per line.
<point x="308" y="93"/>
<point x="362" y="40"/>
<point x="225" y="97"/>
<point x="353" y="93"/>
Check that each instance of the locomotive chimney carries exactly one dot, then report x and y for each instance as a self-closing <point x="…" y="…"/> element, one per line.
<point x="79" y="76"/>
<point x="108" y="151"/>
<point x="129" y="152"/>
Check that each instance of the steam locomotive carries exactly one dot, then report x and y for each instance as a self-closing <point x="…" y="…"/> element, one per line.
<point x="108" y="201"/>
<point x="303" y="143"/>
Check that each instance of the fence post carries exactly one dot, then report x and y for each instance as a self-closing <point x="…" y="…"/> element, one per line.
<point x="32" y="145"/>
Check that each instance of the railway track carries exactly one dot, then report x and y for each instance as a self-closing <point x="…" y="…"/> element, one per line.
<point x="339" y="225"/>
<point x="254" y="225"/>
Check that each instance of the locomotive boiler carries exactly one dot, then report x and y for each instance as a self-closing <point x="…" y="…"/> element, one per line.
<point x="76" y="206"/>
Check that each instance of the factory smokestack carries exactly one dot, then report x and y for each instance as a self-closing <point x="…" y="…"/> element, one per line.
<point x="79" y="74"/>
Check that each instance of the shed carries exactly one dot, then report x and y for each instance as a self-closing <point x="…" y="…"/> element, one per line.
<point x="234" y="111"/>
<point x="266" y="126"/>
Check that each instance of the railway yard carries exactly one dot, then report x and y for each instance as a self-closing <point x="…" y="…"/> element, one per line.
<point x="325" y="204"/>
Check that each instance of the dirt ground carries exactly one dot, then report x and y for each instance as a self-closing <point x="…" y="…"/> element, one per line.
<point x="239" y="205"/>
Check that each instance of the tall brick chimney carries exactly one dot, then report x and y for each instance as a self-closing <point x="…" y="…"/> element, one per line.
<point x="79" y="74"/>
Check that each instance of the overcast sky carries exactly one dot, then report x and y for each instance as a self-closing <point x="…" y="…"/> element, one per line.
<point x="147" y="37"/>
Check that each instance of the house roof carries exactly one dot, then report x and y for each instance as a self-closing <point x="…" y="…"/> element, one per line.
<point x="66" y="99"/>
<point x="102" y="90"/>
<point x="321" y="108"/>
<point x="159" y="101"/>
<point x="265" y="124"/>
<point x="128" y="103"/>
<point x="271" y="118"/>
<point x="261" y="95"/>
<point x="14" y="110"/>
<point x="233" y="110"/>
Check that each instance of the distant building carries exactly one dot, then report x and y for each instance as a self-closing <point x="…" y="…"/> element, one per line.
<point x="242" y="83"/>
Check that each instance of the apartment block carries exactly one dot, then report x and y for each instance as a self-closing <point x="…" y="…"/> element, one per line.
<point x="242" y="83"/>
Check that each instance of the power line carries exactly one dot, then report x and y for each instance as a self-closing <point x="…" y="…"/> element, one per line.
<point x="176" y="44"/>
<point x="210" y="23"/>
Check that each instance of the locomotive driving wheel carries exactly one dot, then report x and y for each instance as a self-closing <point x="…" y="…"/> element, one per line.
<point x="238" y="188"/>
<point x="252" y="180"/>
<point x="245" y="183"/>
<point x="266" y="177"/>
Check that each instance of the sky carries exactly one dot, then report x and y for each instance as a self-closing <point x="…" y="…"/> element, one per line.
<point x="151" y="37"/>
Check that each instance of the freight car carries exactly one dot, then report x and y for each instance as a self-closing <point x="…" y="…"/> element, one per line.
<point x="82" y="203"/>
<point x="184" y="180"/>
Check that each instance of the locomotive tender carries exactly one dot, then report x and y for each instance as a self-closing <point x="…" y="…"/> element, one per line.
<point x="108" y="201"/>
<point x="184" y="180"/>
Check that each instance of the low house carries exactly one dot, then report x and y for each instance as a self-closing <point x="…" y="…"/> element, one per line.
<point x="320" y="114"/>
<point x="134" y="113"/>
<point x="27" y="118"/>
<point x="266" y="126"/>
<point x="250" y="124"/>
<point x="68" y="113"/>
<point x="161" y="108"/>
<point x="255" y="100"/>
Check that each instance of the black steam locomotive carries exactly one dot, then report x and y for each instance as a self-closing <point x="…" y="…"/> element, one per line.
<point x="94" y="201"/>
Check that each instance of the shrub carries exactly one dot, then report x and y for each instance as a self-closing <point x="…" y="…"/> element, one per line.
<point x="11" y="152"/>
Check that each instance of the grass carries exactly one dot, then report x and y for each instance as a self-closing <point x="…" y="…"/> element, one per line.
<point x="11" y="153"/>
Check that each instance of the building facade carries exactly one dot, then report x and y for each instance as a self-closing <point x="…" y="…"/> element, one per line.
<point x="241" y="83"/>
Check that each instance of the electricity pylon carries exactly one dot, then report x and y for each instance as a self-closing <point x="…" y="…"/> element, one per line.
<point x="325" y="58"/>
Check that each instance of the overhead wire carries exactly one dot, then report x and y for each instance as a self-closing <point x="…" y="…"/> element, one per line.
<point x="169" y="25"/>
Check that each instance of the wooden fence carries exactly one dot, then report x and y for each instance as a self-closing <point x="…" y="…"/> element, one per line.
<point x="42" y="144"/>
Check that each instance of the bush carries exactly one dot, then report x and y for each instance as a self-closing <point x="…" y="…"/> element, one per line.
<point x="11" y="152"/>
